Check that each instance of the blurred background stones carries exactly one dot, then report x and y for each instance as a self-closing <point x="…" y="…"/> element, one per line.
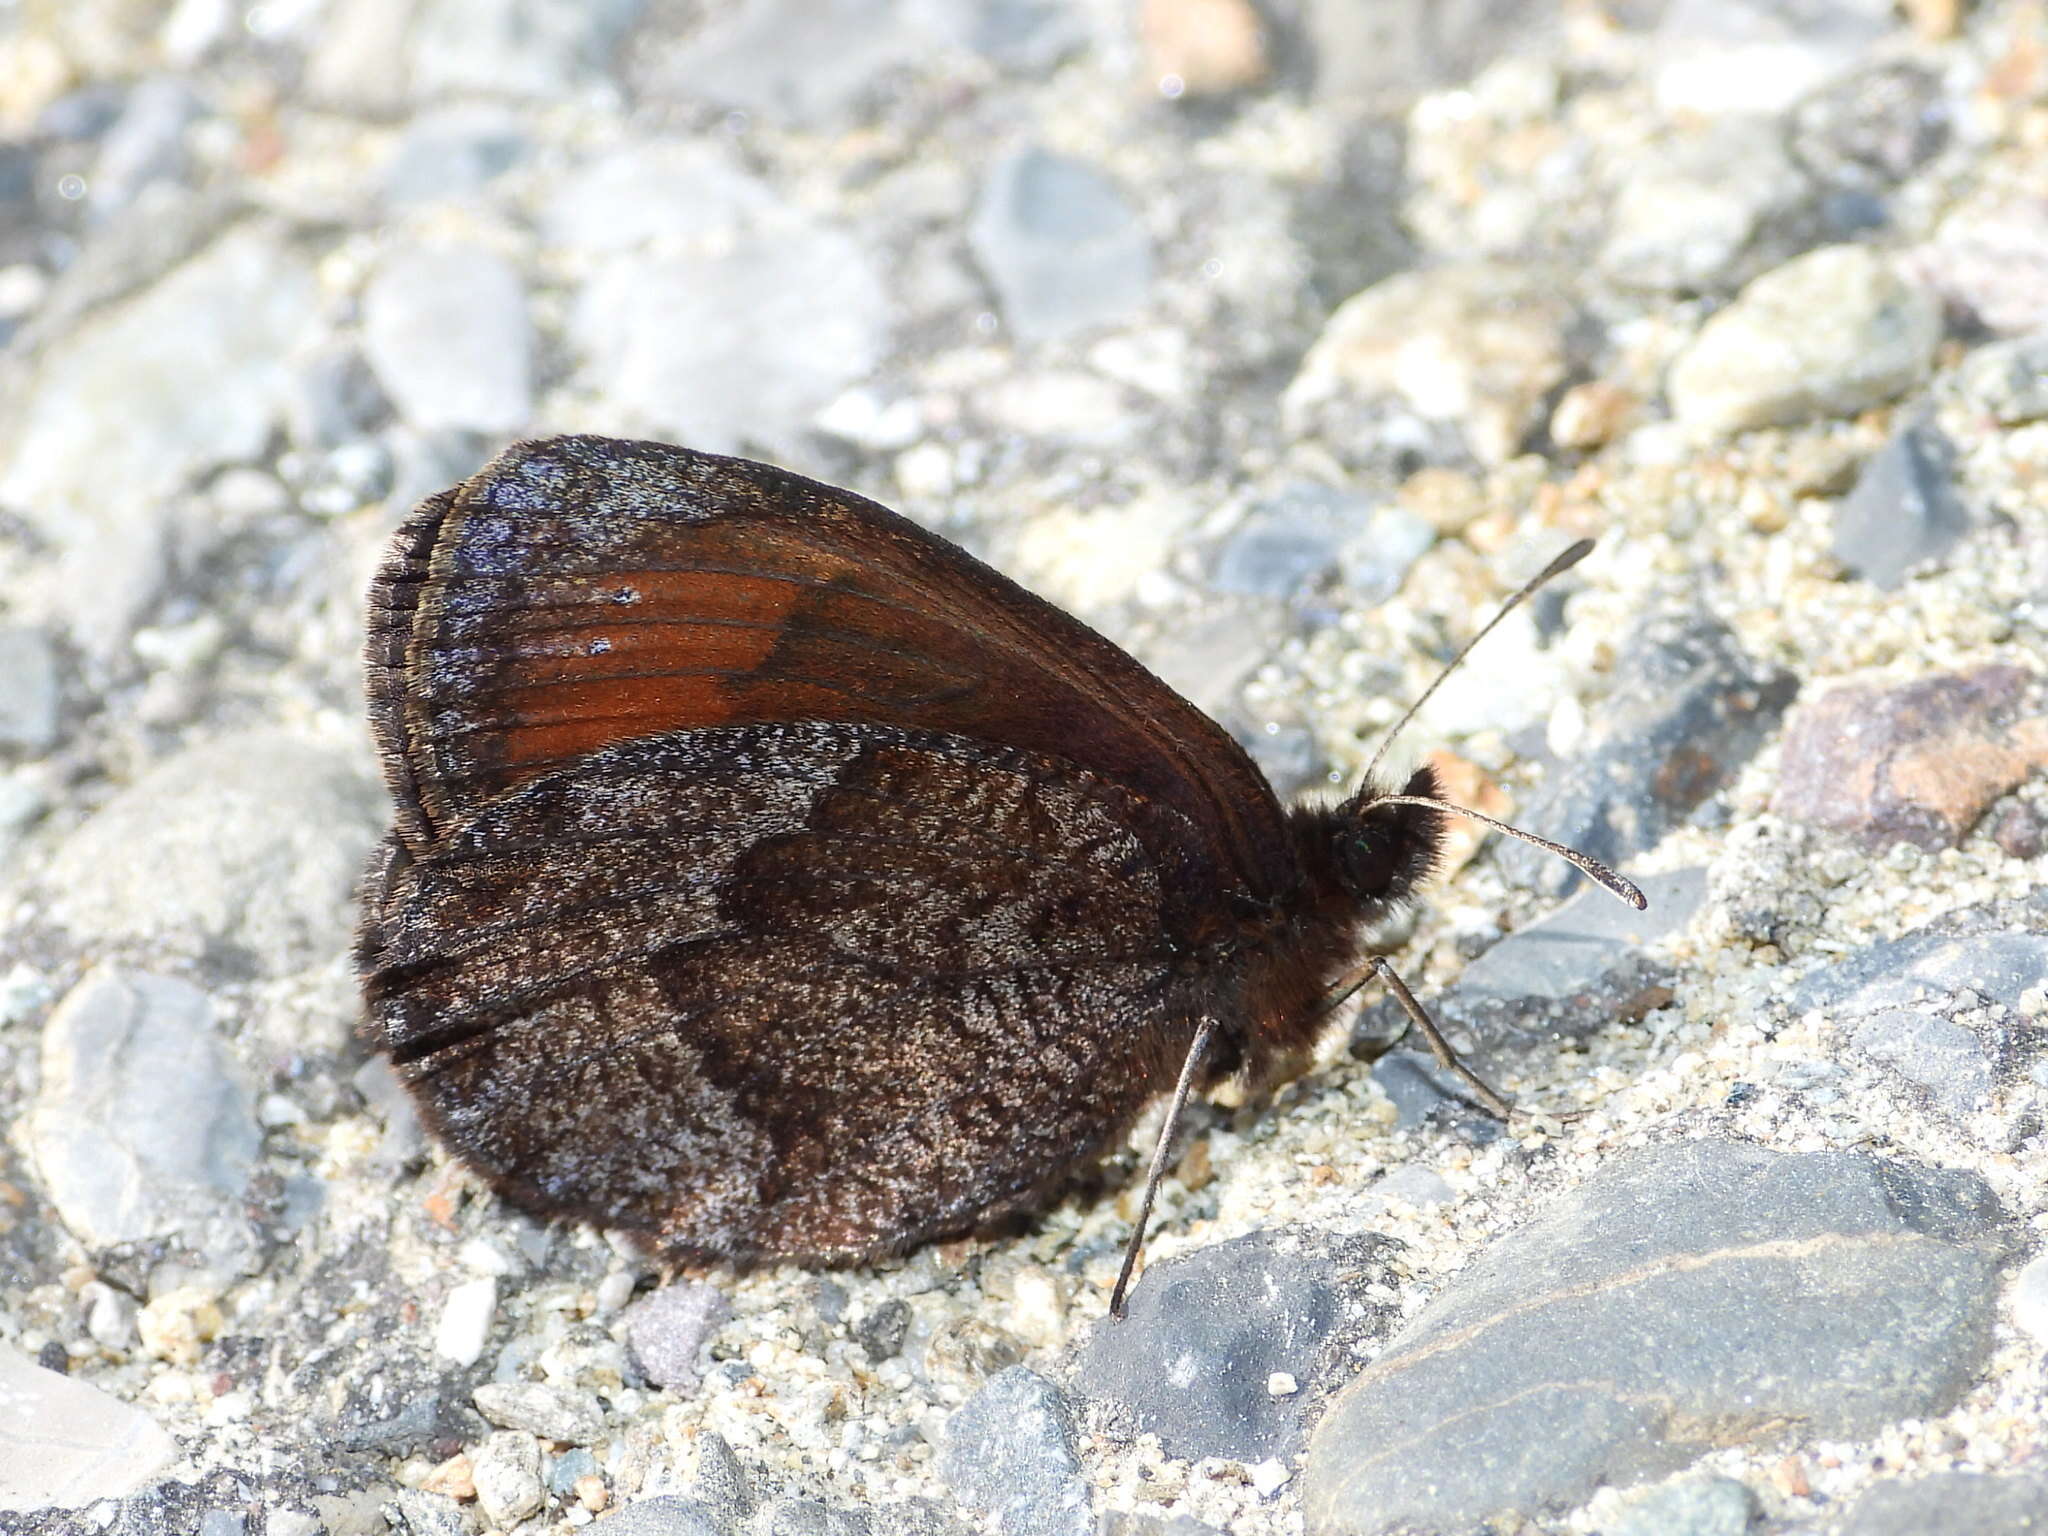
<point x="1278" y="340"/>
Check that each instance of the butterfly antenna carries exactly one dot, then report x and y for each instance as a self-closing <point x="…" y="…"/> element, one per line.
<point x="1585" y="863"/>
<point x="1181" y="1090"/>
<point x="1557" y="567"/>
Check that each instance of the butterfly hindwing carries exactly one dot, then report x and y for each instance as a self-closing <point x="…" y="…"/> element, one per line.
<point x="676" y="958"/>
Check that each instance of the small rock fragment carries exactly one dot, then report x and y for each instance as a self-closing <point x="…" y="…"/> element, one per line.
<point x="1008" y="1454"/>
<point x="666" y="1330"/>
<point x="1915" y="762"/>
<point x="1830" y="333"/>
<point x="1904" y="509"/>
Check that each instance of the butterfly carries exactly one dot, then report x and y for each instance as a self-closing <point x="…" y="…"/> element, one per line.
<point x="770" y="879"/>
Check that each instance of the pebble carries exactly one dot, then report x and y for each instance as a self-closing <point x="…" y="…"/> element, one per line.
<point x="1989" y="259"/>
<point x="666" y="1515"/>
<point x="29" y="693"/>
<point x="251" y="843"/>
<point x="331" y="397"/>
<point x="1008" y="1455"/>
<point x="553" y="1413"/>
<point x="1205" y="1334"/>
<point x="1757" y="56"/>
<point x="1916" y="762"/>
<point x="2030" y="1299"/>
<point x="666" y="1331"/>
<point x="229" y="316"/>
<point x="1682" y="223"/>
<point x="1701" y="1283"/>
<point x="794" y="62"/>
<point x="535" y="50"/>
<point x="1830" y="333"/>
<point x="742" y="342"/>
<point x="1479" y="345"/>
<point x="1287" y="545"/>
<point x="1061" y="245"/>
<point x="1689" y="1505"/>
<point x="506" y="1469"/>
<point x="69" y="1443"/>
<point x="1203" y="47"/>
<point x="1686" y="707"/>
<point x="1580" y="969"/>
<point x="453" y="153"/>
<point x="1995" y="953"/>
<point x="2008" y="380"/>
<point x="1904" y="510"/>
<point x="465" y="1323"/>
<point x="142" y="1127"/>
<point x="1982" y="1503"/>
<point x="446" y="331"/>
<point x="1932" y="1053"/>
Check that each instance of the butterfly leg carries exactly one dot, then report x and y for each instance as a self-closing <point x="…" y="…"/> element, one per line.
<point x="1181" y="1090"/>
<point x="1439" y="1047"/>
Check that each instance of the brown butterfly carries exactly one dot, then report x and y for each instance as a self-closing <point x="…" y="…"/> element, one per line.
<point x="771" y="879"/>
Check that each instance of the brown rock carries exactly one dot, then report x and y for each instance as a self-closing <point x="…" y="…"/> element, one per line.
<point x="1916" y="762"/>
<point x="1211" y="47"/>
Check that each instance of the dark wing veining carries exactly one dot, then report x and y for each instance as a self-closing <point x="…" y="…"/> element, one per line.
<point x="803" y="990"/>
<point x="579" y="592"/>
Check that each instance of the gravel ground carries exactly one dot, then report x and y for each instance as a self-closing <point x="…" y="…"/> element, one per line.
<point x="1279" y="344"/>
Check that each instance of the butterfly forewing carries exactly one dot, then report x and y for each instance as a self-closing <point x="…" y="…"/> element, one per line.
<point x="581" y="592"/>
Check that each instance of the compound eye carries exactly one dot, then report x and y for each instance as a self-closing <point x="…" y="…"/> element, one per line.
<point x="1368" y="864"/>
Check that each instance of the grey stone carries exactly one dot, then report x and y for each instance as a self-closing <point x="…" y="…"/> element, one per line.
<point x="568" y="1469"/>
<point x="1584" y="957"/>
<point x="145" y="144"/>
<point x="1981" y="1503"/>
<point x="1008" y="1454"/>
<point x="669" y="1515"/>
<point x="1689" y="1506"/>
<point x="229" y="316"/>
<point x="1691" y="1296"/>
<point x="1028" y="36"/>
<point x="1724" y="56"/>
<point x="881" y="1331"/>
<point x="332" y="397"/>
<point x="663" y="190"/>
<point x="245" y="848"/>
<point x="667" y="1329"/>
<point x="1382" y="55"/>
<point x="1061" y="245"/>
<point x="1117" y="1523"/>
<point x="719" y="1481"/>
<point x="453" y="153"/>
<point x="1996" y="953"/>
<point x="1686" y="709"/>
<point x="28" y="690"/>
<point x="70" y="1444"/>
<point x="1830" y="333"/>
<point x="553" y="1413"/>
<point x="2008" y="380"/>
<point x="1203" y="1334"/>
<point x="539" y="50"/>
<point x="808" y="63"/>
<point x="142" y="1127"/>
<point x="1904" y="509"/>
<point x="506" y="1468"/>
<point x="810" y="1517"/>
<point x="1871" y="130"/>
<point x="1287" y="545"/>
<point x="1932" y="1053"/>
<point x="735" y="344"/>
<point x="1691" y="216"/>
<point x="1475" y="345"/>
<point x="446" y="330"/>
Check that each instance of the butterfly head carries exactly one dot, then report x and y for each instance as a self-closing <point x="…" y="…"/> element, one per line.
<point x="1387" y="844"/>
